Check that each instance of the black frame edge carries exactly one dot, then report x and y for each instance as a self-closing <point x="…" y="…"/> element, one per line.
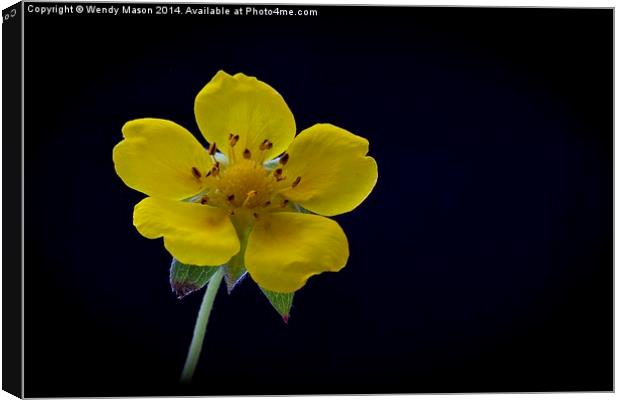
<point x="12" y="342"/>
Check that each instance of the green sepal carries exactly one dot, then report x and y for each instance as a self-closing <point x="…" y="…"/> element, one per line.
<point x="271" y="164"/>
<point x="186" y="278"/>
<point x="282" y="302"/>
<point x="234" y="272"/>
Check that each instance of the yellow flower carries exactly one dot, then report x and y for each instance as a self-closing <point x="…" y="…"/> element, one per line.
<point x="234" y="198"/>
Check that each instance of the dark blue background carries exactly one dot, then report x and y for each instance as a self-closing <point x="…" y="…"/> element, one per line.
<point x="482" y="261"/>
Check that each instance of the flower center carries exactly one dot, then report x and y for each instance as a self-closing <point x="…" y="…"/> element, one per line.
<point x="245" y="183"/>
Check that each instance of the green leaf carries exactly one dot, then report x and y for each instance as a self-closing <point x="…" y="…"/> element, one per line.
<point x="185" y="278"/>
<point x="282" y="302"/>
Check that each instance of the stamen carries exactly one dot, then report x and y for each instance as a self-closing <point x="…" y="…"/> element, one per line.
<point x="267" y="203"/>
<point x="208" y="174"/>
<point x="284" y="159"/>
<point x="233" y="139"/>
<point x="196" y="173"/>
<point x="212" y="148"/>
<point x="284" y="203"/>
<point x="216" y="169"/>
<point x="204" y="200"/>
<point x="278" y="175"/>
<point x="265" y="145"/>
<point x="230" y="197"/>
<point x="247" y="154"/>
<point x="249" y="196"/>
<point x="296" y="182"/>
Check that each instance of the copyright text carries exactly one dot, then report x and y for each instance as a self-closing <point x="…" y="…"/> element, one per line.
<point x="120" y="9"/>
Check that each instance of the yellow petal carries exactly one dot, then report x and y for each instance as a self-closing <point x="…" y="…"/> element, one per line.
<point x="244" y="106"/>
<point x="335" y="173"/>
<point x="162" y="159"/>
<point x="193" y="233"/>
<point x="285" y="249"/>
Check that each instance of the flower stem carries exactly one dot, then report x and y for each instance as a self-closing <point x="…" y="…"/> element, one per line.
<point x="201" y="326"/>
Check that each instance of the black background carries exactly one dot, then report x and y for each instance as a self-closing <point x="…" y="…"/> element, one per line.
<point x="482" y="261"/>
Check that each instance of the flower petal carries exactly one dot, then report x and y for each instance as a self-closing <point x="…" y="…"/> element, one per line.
<point x="247" y="107"/>
<point x="335" y="173"/>
<point x="285" y="249"/>
<point x="162" y="159"/>
<point x="193" y="233"/>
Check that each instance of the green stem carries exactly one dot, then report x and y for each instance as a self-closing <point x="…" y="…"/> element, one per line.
<point x="201" y="326"/>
